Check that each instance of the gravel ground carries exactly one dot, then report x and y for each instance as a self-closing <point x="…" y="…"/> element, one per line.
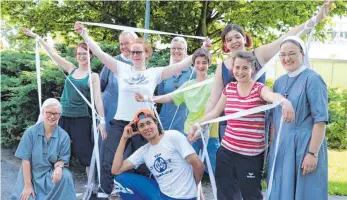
<point x="10" y="165"/>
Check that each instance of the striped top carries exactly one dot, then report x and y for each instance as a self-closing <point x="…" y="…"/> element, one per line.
<point x="244" y="135"/>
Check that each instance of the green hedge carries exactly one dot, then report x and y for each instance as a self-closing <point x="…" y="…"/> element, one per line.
<point x="19" y="99"/>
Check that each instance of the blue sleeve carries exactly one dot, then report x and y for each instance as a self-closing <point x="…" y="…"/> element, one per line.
<point x="65" y="150"/>
<point x="104" y="73"/>
<point x="317" y="96"/>
<point x="161" y="88"/>
<point x="25" y="146"/>
<point x="262" y="79"/>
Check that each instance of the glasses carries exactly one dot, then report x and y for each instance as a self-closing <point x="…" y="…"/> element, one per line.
<point x="290" y="55"/>
<point x="124" y="44"/>
<point x="52" y="114"/>
<point x="136" y="53"/>
<point x="82" y="53"/>
<point x="177" y="49"/>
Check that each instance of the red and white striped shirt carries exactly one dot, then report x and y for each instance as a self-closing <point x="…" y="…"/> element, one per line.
<point x="244" y="135"/>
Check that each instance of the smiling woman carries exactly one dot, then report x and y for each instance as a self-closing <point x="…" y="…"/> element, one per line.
<point x="45" y="152"/>
<point x="75" y="118"/>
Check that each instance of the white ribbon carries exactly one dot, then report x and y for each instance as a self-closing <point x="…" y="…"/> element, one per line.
<point x="190" y="77"/>
<point x="141" y="30"/>
<point x="243" y="113"/>
<point x="268" y="192"/>
<point x="96" y="154"/>
<point x="38" y="74"/>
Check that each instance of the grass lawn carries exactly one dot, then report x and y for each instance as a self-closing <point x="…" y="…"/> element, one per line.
<point x="337" y="173"/>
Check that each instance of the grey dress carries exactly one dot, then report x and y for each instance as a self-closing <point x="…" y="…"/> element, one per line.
<point x="42" y="155"/>
<point x="310" y="101"/>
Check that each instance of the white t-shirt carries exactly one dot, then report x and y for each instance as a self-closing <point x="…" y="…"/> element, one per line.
<point x="166" y="161"/>
<point x="131" y="82"/>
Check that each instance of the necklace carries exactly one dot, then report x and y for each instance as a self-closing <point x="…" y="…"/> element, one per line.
<point x="287" y="90"/>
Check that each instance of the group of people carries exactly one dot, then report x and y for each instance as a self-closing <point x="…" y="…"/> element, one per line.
<point x="146" y="156"/>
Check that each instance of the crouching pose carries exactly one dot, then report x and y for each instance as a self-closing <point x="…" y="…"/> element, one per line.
<point x="45" y="151"/>
<point x="169" y="156"/>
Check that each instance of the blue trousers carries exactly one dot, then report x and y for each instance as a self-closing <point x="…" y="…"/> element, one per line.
<point x="137" y="187"/>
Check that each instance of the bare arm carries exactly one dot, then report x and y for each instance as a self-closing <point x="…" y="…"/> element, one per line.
<point x="98" y="102"/>
<point x="118" y="165"/>
<point x="176" y="68"/>
<point x="108" y="60"/>
<point x="266" y="52"/>
<point x="157" y="99"/>
<point x="64" y="64"/>
<point x="318" y="133"/>
<point x="28" y="187"/>
<point x="193" y="135"/>
<point x="216" y="90"/>
<point x="198" y="166"/>
<point x="287" y="108"/>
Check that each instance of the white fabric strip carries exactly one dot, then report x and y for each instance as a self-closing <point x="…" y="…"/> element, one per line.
<point x="38" y="73"/>
<point x="140" y="30"/>
<point x="96" y="154"/>
<point x="268" y="192"/>
<point x="242" y="113"/>
<point x="196" y="85"/>
<point x="190" y="77"/>
<point x="208" y="161"/>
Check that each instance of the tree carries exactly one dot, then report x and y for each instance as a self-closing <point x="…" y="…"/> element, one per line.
<point x="203" y="18"/>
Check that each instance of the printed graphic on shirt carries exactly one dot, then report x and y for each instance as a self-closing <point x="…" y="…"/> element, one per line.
<point x="138" y="79"/>
<point x="160" y="165"/>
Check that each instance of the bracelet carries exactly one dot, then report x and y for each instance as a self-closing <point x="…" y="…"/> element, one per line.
<point x="102" y="120"/>
<point x="147" y="98"/>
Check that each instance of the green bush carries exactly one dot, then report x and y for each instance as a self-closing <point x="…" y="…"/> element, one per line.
<point x="336" y="132"/>
<point x="19" y="97"/>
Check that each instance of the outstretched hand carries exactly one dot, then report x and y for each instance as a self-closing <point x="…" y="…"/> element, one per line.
<point x="78" y="27"/>
<point x="324" y="10"/>
<point x="139" y="97"/>
<point x="207" y="43"/>
<point x="28" y="32"/>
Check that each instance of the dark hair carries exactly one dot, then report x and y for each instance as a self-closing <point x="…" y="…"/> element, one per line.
<point x="202" y="52"/>
<point x="230" y="27"/>
<point x="293" y="42"/>
<point x="85" y="47"/>
<point x="161" y="131"/>
<point x="248" y="56"/>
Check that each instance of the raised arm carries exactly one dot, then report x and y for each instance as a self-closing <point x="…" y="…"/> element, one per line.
<point x="119" y="165"/>
<point x="266" y="52"/>
<point x="176" y="68"/>
<point x="108" y="60"/>
<point x="216" y="90"/>
<point x="99" y="104"/>
<point x="64" y="64"/>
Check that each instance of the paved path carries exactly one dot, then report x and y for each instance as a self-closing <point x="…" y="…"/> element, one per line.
<point x="10" y="165"/>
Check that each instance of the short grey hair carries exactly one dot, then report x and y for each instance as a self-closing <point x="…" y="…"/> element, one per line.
<point x="50" y="102"/>
<point x="129" y="33"/>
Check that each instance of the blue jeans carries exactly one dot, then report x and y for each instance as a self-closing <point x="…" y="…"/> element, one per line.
<point x="137" y="187"/>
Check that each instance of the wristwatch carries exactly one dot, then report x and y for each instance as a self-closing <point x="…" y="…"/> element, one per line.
<point x="313" y="154"/>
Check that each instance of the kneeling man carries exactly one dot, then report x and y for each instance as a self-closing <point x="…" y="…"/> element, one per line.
<point x="168" y="155"/>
